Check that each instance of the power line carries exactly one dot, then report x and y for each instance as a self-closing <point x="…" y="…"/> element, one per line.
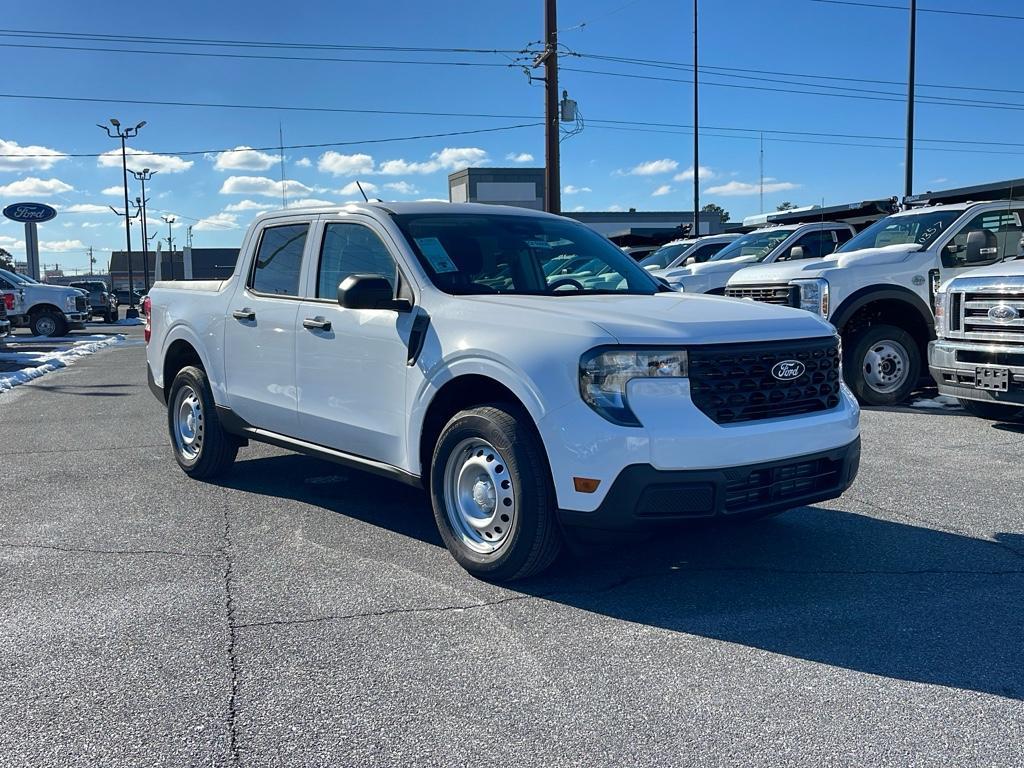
<point x="921" y="10"/>
<point x="276" y="147"/>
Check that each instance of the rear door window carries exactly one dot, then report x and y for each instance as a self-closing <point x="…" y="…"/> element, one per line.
<point x="278" y="261"/>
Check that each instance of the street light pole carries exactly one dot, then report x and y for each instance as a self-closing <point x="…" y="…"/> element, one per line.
<point x="143" y="176"/>
<point x="908" y="188"/>
<point x="127" y="133"/>
<point x="169" y="220"/>
<point x="696" y="134"/>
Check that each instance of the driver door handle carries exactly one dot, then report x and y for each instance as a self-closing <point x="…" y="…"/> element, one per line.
<point x="316" y="324"/>
<point x="244" y="314"/>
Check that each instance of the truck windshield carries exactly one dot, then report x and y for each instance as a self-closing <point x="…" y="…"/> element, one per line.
<point x="919" y="228"/>
<point x="474" y="254"/>
<point x="18" y="278"/>
<point x="665" y="255"/>
<point x="756" y="244"/>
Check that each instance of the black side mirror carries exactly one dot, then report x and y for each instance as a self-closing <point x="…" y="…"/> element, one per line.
<point x="369" y="292"/>
<point x="976" y="250"/>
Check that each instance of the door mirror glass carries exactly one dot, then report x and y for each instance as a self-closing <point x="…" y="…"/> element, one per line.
<point x="977" y="250"/>
<point x="796" y="252"/>
<point x="369" y="292"/>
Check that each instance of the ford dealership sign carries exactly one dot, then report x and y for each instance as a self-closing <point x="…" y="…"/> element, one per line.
<point x="29" y="213"/>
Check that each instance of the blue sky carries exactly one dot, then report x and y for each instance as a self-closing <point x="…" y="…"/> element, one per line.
<point x="606" y="166"/>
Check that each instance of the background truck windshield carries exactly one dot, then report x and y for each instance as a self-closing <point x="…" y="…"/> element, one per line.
<point x="665" y="255"/>
<point x="757" y="244"/>
<point x="921" y="228"/>
<point x="470" y="254"/>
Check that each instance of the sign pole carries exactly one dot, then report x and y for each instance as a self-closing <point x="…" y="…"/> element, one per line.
<point x="32" y="249"/>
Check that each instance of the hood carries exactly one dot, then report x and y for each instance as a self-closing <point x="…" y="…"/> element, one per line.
<point x="1010" y="269"/>
<point x="784" y="271"/>
<point x="710" y="267"/>
<point x="664" y="318"/>
<point x="889" y="254"/>
<point x="47" y="288"/>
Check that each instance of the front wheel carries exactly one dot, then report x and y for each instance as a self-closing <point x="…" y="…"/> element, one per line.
<point x="992" y="411"/>
<point x="111" y="316"/>
<point x="882" y="365"/>
<point x="492" y="495"/>
<point x="201" y="446"/>
<point x="48" y="323"/>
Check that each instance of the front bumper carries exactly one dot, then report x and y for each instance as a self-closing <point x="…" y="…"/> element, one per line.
<point x="642" y="495"/>
<point x="954" y="364"/>
<point x="5" y="328"/>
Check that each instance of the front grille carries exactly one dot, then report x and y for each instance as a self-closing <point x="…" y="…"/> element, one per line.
<point x="734" y="383"/>
<point x="969" y="316"/>
<point x="81" y="303"/>
<point x="789" y="481"/>
<point x="784" y="294"/>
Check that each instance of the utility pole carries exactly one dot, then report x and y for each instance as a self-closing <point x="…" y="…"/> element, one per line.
<point x="188" y="236"/>
<point x="552" y="175"/>
<point x="696" y="132"/>
<point x="127" y="133"/>
<point x="143" y="176"/>
<point x="92" y="261"/>
<point x="908" y="188"/>
<point x="761" y="166"/>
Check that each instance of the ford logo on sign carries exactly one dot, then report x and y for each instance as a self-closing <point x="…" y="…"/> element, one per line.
<point x="1002" y="313"/>
<point x="29" y="213"/>
<point x="788" y="370"/>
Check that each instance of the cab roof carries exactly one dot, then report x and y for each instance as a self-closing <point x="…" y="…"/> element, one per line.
<point x="426" y="207"/>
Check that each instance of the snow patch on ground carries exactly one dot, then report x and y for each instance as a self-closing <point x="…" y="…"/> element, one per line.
<point x="940" y="403"/>
<point x="45" y="362"/>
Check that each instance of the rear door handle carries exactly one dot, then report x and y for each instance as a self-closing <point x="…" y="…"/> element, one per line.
<point x="317" y="324"/>
<point x="243" y="314"/>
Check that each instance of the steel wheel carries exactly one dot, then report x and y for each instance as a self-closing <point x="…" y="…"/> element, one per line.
<point x="479" y="497"/>
<point x="886" y="366"/>
<point x="188" y="424"/>
<point x="46" y="326"/>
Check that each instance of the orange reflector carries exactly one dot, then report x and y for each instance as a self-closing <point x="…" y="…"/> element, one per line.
<point x="585" y="484"/>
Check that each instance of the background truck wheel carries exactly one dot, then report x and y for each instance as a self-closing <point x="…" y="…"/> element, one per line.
<point x="882" y="365"/>
<point x="48" y="323"/>
<point x="111" y="316"/>
<point x="201" y="446"/>
<point x="491" y="490"/>
<point x="992" y="411"/>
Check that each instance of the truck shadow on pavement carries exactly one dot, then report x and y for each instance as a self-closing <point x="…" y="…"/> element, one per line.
<point x="838" y="588"/>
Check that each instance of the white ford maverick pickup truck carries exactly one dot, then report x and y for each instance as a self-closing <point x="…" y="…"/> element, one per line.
<point x="427" y="342"/>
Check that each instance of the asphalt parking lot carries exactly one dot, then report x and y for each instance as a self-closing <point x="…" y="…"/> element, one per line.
<point x="298" y="613"/>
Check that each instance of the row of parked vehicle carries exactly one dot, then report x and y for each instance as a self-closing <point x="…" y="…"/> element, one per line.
<point x="884" y="290"/>
<point x="53" y="310"/>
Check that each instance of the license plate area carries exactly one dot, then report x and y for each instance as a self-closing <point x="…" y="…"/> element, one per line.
<point x="997" y="379"/>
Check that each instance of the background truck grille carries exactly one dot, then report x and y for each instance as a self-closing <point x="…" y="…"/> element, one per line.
<point x="81" y="303"/>
<point x="969" y="318"/>
<point x="734" y="382"/>
<point x="784" y="294"/>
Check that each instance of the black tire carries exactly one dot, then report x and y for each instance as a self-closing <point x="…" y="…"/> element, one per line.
<point x="855" y="366"/>
<point x="533" y="539"/>
<point x="111" y="316"/>
<point x="992" y="411"/>
<point x="217" y="449"/>
<point x="48" y="323"/>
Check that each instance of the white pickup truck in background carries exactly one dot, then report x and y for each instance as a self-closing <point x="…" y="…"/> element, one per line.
<point x="48" y="310"/>
<point x="431" y="343"/>
<point x="878" y="289"/>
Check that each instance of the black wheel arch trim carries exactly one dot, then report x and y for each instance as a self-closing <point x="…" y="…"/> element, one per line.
<point x="864" y="296"/>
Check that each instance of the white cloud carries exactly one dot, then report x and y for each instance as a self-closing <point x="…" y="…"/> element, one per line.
<point x="244" y="158"/>
<point x="220" y="220"/>
<point x="352" y="188"/>
<point x="137" y="159"/>
<point x="14" y="157"/>
<point x="402" y="188"/>
<point x="85" y="208"/>
<point x="33" y="187"/>
<point x="579" y="208"/>
<point x="432" y="200"/>
<point x="113" y="191"/>
<point x="7" y="242"/>
<point x="304" y="162"/>
<point x="248" y="205"/>
<point x="687" y="175"/>
<point x="261" y="185"/>
<point x="449" y="158"/>
<point x="311" y="202"/>
<point x="653" y="167"/>
<point x="61" y="246"/>
<point x="664" y="189"/>
<point x="571" y="189"/>
<point x="338" y="164"/>
<point x="92" y="224"/>
<point x="519" y="157"/>
<point x="614" y="208"/>
<point x="740" y="188"/>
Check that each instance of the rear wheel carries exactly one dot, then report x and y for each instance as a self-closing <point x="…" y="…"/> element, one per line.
<point x="491" y="490"/>
<point x="992" y="411"/>
<point x="48" y="323"/>
<point x="883" y="365"/>
<point x="201" y="446"/>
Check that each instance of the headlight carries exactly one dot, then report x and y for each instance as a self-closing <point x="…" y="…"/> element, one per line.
<point x="69" y="303"/>
<point x="814" y="295"/>
<point x="941" y="303"/>
<point x="604" y="374"/>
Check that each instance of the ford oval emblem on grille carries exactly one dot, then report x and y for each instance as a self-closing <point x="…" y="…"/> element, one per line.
<point x="788" y="370"/>
<point x="1002" y="313"/>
